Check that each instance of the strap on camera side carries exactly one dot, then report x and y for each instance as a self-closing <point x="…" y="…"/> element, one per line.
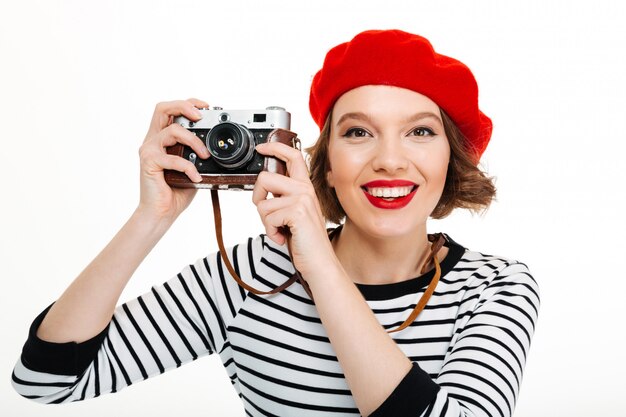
<point x="217" y="215"/>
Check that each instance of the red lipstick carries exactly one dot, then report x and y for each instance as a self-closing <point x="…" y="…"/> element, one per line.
<point x="389" y="203"/>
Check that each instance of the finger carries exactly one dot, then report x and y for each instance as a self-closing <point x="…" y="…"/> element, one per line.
<point x="265" y="207"/>
<point x="259" y="192"/>
<point x="165" y="111"/>
<point x="176" y="163"/>
<point x="279" y="185"/>
<point x="295" y="208"/>
<point x="275" y="225"/>
<point x="296" y="167"/>
<point x="200" y="104"/>
<point x="174" y="134"/>
<point x="286" y="220"/>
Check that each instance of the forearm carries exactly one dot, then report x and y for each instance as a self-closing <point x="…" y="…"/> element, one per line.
<point x="372" y="362"/>
<point x="86" y="306"/>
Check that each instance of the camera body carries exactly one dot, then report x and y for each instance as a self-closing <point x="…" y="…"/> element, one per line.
<point x="231" y="136"/>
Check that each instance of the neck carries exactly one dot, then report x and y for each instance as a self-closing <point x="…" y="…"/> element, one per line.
<point x="381" y="260"/>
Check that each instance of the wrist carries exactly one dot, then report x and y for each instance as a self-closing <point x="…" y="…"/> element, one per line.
<point x="327" y="274"/>
<point x="148" y="219"/>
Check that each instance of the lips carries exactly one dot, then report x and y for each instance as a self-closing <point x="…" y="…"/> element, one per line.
<point x="389" y="194"/>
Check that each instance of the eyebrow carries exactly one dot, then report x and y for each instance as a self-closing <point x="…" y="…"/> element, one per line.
<point x="367" y="118"/>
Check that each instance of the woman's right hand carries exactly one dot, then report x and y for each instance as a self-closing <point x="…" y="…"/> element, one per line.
<point x="87" y="305"/>
<point x="157" y="198"/>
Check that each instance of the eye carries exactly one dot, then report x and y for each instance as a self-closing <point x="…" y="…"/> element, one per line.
<point x="356" y="132"/>
<point x="422" y="131"/>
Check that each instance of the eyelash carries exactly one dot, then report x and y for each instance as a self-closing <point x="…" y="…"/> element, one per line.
<point x="350" y="133"/>
<point x="429" y="132"/>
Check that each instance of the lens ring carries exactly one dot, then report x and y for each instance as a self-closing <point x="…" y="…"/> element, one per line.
<point x="231" y="145"/>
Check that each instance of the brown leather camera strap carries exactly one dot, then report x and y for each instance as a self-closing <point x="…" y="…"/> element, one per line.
<point x="217" y="215"/>
<point x="437" y="241"/>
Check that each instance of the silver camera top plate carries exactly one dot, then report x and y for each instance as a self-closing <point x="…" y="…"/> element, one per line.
<point x="270" y="118"/>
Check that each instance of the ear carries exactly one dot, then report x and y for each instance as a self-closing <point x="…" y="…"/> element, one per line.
<point x="329" y="179"/>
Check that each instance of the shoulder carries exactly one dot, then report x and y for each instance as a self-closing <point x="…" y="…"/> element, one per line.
<point x="258" y="261"/>
<point x="494" y="273"/>
<point x="261" y="250"/>
<point x="253" y="249"/>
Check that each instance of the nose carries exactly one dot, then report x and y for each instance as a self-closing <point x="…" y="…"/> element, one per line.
<point x="390" y="156"/>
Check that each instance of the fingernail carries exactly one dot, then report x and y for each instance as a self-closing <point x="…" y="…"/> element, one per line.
<point x="197" y="113"/>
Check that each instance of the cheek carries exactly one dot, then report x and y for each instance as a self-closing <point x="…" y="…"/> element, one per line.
<point x="443" y="175"/>
<point x="339" y="166"/>
<point x="436" y="166"/>
<point x="440" y="171"/>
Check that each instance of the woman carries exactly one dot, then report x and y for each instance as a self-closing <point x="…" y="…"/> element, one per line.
<point x="401" y="137"/>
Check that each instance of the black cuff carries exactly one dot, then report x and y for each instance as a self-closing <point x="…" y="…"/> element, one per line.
<point x="69" y="358"/>
<point x="411" y="397"/>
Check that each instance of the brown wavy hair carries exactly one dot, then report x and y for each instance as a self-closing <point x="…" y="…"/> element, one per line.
<point x="466" y="186"/>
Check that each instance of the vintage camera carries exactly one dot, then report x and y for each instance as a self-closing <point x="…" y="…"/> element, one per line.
<point x="231" y="136"/>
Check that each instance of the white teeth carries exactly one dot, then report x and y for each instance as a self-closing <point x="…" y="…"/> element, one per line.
<point x="389" y="192"/>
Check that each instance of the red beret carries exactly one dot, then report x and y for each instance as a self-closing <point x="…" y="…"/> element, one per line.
<point x="401" y="59"/>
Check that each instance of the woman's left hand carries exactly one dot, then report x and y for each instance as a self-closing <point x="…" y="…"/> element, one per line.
<point x="294" y="206"/>
<point x="357" y="337"/>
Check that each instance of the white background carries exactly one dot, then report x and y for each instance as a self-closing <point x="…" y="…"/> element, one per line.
<point x="79" y="81"/>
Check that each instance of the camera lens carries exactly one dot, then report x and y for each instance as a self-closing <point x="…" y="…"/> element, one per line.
<point x="231" y="145"/>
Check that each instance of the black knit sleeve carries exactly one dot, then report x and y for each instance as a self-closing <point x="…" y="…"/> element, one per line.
<point x="69" y="358"/>
<point x="403" y="401"/>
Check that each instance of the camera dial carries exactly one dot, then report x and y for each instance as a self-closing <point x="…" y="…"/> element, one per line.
<point x="231" y="145"/>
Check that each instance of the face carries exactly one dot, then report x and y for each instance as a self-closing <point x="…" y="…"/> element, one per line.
<point x="388" y="155"/>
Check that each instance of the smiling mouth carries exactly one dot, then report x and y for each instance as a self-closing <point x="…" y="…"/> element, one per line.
<point x="389" y="193"/>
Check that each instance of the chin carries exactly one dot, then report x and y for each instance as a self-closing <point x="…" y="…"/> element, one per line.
<point x="391" y="227"/>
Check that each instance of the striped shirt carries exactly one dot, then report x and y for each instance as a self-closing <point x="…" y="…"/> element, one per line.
<point x="468" y="346"/>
